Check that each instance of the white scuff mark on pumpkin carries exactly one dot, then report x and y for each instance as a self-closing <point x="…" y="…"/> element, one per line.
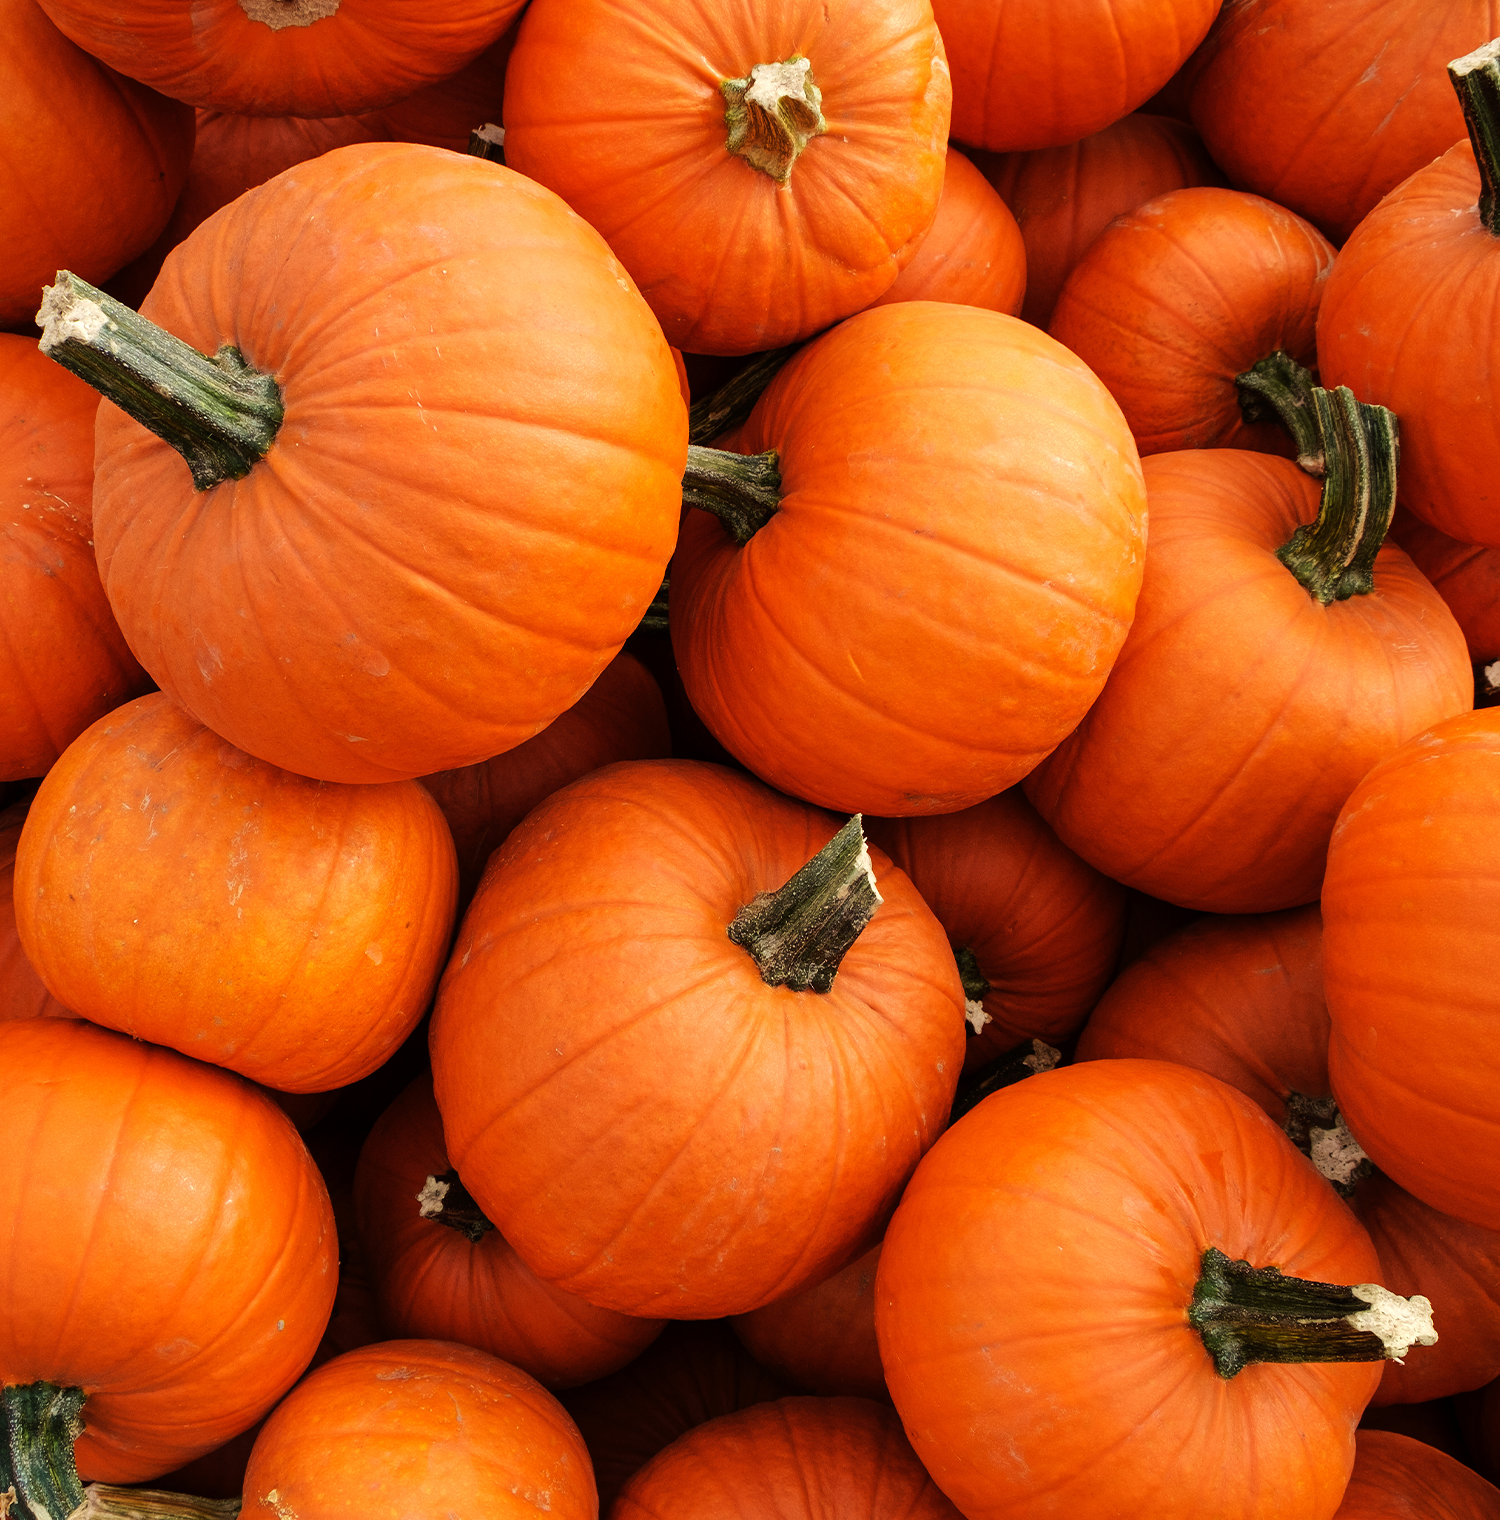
<point x="272" y="1501"/>
<point x="375" y="952"/>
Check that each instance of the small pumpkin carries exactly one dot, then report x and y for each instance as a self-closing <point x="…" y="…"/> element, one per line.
<point x="1397" y="1478"/>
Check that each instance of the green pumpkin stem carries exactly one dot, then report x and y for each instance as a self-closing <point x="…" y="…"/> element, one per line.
<point x="799" y="933"/>
<point x="41" y="1422"/>
<point x="449" y="1202"/>
<point x="1251" y="1314"/>
<point x="655" y="618"/>
<point x="487" y="141"/>
<point x="1279" y="389"/>
<point x="1333" y="557"/>
<point x="772" y="114"/>
<point x="733" y="402"/>
<point x="218" y="413"/>
<point x="1476" y="78"/>
<point x="742" y="490"/>
<point x="1027" y="1059"/>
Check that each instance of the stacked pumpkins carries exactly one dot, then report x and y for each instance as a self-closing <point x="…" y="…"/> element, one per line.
<point x="1024" y="586"/>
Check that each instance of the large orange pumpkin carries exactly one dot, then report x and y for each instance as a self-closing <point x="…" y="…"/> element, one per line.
<point x="470" y="497"/>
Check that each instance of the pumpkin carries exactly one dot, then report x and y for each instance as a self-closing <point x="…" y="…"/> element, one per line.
<point x="1064" y="197"/>
<point x="1466" y="576"/>
<point x="286" y="57"/>
<point x="1173" y="301"/>
<point x="945" y="579"/>
<point x="673" y="1069"/>
<point x="1035" y="930"/>
<point x="694" y="1371"/>
<point x="22" y="995"/>
<point x="172" y="887"/>
<point x="1408" y="905"/>
<point x="1258" y="683"/>
<point x="419" y="1427"/>
<point x="1025" y="77"/>
<point x="1066" y="1305"/>
<point x="443" y="1272"/>
<point x="66" y="662"/>
<point x="973" y="253"/>
<point x="59" y="178"/>
<point x="443" y="114"/>
<point x="412" y="577"/>
<point x="795" y="1459"/>
<point x="1325" y="108"/>
<point x="761" y="171"/>
<point x="1379" y="336"/>
<point x="1397" y="1478"/>
<point x="172" y="1258"/>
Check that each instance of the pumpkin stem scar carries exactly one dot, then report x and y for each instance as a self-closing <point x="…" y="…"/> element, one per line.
<point x="1280" y="389"/>
<point x="1476" y="78"/>
<point x="772" y="115"/>
<point x="742" y="490"/>
<point x="799" y="933"/>
<point x="1316" y="1127"/>
<point x="218" y="413"/>
<point x="1251" y="1314"/>
<point x="449" y="1202"/>
<point x="277" y="14"/>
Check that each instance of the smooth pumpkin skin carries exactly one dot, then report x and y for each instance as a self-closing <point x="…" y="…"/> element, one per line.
<point x="419" y="1427"/>
<point x="622" y="716"/>
<point x="1044" y="1257"/>
<point x="1028" y="76"/>
<point x="22" y="995"/>
<point x="172" y="1245"/>
<point x="651" y="1125"/>
<point x="350" y="55"/>
<point x="1044" y="926"/>
<point x="1175" y="299"/>
<point x="620" y="112"/>
<point x="1064" y="197"/>
<point x="65" y="661"/>
<point x="482" y="455"/>
<point x="1325" y="108"/>
<point x="432" y="1283"/>
<point x="952" y="570"/>
<point x="1466" y="576"/>
<point x="1410" y="905"/>
<point x="1397" y="1478"/>
<point x="1242" y="712"/>
<point x="795" y="1459"/>
<point x="170" y="886"/>
<point x="972" y="254"/>
<point x="1418" y="269"/>
<point x="57" y="180"/>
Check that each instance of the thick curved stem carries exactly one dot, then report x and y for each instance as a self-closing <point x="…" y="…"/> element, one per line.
<point x="1333" y="557"/>
<point x="39" y="1423"/>
<point x="218" y="413"/>
<point x="742" y="490"/>
<point x="1476" y="78"/>
<point x="103" y="1501"/>
<point x="733" y="402"/>
<point x="1280" y="389"/>
<point x="449" y="1202"/>
<point x="799" y="933"/>
<point x="773" y="114"/>
<point x="1251" y="1314"/>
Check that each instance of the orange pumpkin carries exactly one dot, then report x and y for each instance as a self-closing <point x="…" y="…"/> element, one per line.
<point x="22" y="995"/>
<point x="1466" y="576"/>
<point x="1397" y="1478"/>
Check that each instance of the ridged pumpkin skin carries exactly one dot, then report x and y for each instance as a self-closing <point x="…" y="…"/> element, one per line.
<point x="1466" y="576"/>
<point x="1411" y="905"/>
<point x="271" y="58"/>
<point x="1063" y="198"/>
<point x="621" y="114"/>
<point x="471" y="499"/>
<point x="443" y="114"/>
<point x="65" y="661"/>
<point x="1397" y="1478"/>
<point x="1175" y="299"/>
<point x="795" y="1459"/>
<point x="1324" y="108"/>
<point x="22" y="995"/>
<point x="1044" y="1258"/>
<point x="419" y="1427"/>
<point x="78" y="139"/>
<point x="171" y="1244"/>
<point x="432" y="1282"/>
<point x="171" y="887"/>
<point x="651" y="1125"/>
<point x="1242" y="712"/>
<point x="951" y="573"/>
<point x="972" y="254"/>
<point x="1043" y="926"/>
<point x="1379" y="336"/>
<point x="1028" y="76"/>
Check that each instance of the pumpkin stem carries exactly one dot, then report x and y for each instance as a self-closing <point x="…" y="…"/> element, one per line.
<point x="773" y="114"/>
<point x="1280" y="389"/>
<point x="218" y="413"/>
<point x="655" y="618"/>
<point x="742" y="490"/>
<point x="1316" y="1127"/>
<point x="487" y="141"/>
<point x="1333" y="557"/>
<point x="40" y="1423"/>
<point x="106" y="1502"/>
<point x="735" y="399"/>
<point x="1027" y="1059"/>
<point x="799" y="933"/>
<point x="1476" y="77"/>
<point x="975" y="988"/>
<point x="1251" y="1314"/>
<point x="448" y="1201"/>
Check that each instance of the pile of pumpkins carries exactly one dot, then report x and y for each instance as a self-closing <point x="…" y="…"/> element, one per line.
<point x="749" y="768"/>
